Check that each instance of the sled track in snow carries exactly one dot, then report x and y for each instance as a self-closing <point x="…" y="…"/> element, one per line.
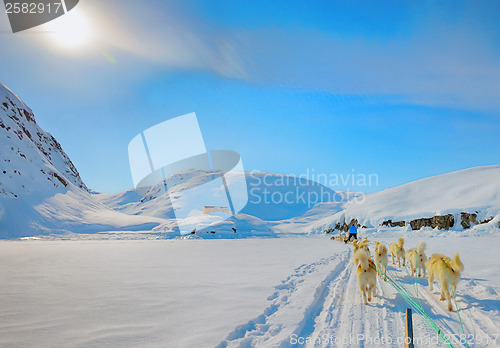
<point x="307" y="326"/>
<point x="346" y="322"/>
<point x="265" y="329"/>
<point x="328" y="311"/>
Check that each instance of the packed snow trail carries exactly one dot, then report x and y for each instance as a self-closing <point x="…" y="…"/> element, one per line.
<point x="305" y="312"/>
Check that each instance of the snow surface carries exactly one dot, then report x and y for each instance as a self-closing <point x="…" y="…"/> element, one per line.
<point x="227" y="293"/>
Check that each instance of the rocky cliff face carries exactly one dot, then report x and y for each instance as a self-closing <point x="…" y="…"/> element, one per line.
<point x="41" y="191"/>
<point x="31" y="160"/>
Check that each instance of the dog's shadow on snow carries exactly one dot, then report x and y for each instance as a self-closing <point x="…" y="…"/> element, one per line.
<point x="475" y="279"/>
<point x="464" y="301"/>
<point x="482" y="304"/>
<point x="408" y="282"/>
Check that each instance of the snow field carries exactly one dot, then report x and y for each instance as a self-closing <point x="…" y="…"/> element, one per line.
<point x="289" y="292"/>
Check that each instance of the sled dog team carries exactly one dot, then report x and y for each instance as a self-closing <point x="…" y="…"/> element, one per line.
<point x="442" y="268"/>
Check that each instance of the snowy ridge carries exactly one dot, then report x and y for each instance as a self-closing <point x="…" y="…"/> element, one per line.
<point x="271" y="196"/>
<point x="277" y="204"/>
<point x="474" y="190"/>
<point x="29" y="153"/>
<point x="41" y="191"/>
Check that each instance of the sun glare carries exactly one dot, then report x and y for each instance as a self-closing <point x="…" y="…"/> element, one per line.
<point x="70" y="30"/>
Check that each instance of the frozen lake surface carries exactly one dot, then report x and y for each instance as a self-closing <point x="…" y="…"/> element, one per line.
<point x="193" y="293"/>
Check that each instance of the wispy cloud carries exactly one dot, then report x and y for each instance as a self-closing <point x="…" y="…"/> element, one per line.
<point x="164" y="35"/>
<point x="438" y="67"/>
<point x="444" y="59"/>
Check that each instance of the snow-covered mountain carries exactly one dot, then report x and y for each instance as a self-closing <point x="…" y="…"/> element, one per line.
<point x="29" y="154"/>
<point x="271" y="196"/>
<point x="41" y="191"/>
<point x="273" y="200"/>
<point x="462" y="198"/>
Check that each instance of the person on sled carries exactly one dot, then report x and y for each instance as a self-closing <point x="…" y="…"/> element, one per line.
<point x="353" y="233"/>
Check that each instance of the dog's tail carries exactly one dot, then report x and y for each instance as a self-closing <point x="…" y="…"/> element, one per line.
<point x="362" y="258"/>
<point x="421" y="246"/>
<point x="401" y="242"/>
<point x="457" y="263"/>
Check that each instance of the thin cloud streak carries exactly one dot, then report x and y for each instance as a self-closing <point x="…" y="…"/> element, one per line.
<point x="168" y="38"/>
<point x="442" y="62"/>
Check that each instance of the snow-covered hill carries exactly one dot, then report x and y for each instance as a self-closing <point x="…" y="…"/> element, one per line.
<point x="271" y="196"/>
<point x="471" y="191"/>
<point x="41" y="191"/>
<point x="275" y="202"/>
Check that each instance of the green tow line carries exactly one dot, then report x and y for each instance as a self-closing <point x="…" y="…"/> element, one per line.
<point x="396" y="284"/>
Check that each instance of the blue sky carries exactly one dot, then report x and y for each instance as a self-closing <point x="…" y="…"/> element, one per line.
<point x="398" y="89"/>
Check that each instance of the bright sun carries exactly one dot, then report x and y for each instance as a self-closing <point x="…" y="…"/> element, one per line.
<point x="70" y="30"/>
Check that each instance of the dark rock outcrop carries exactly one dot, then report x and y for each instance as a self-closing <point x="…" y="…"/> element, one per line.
<point x="485" y="221"/>
<point x="394" y="223"/>
<point x="468" y="219"/>
<point x="345" y="226"/>
<point x="444" y="222"/>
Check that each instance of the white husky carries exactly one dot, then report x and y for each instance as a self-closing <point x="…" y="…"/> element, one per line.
<point x="417" y="259"/>
<point x="381" y="259"/>
<point x="366" y="274"/>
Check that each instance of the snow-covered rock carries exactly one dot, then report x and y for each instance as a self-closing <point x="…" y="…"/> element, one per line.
<point x="41" y="192"/>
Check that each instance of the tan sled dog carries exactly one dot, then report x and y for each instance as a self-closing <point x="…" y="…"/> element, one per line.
<point x="367" y="275"/>
<point x="446" y="271"/>
<point x="380" y="258"/>
<point x="398" y="251"/>
<point x="417" y="258"/>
